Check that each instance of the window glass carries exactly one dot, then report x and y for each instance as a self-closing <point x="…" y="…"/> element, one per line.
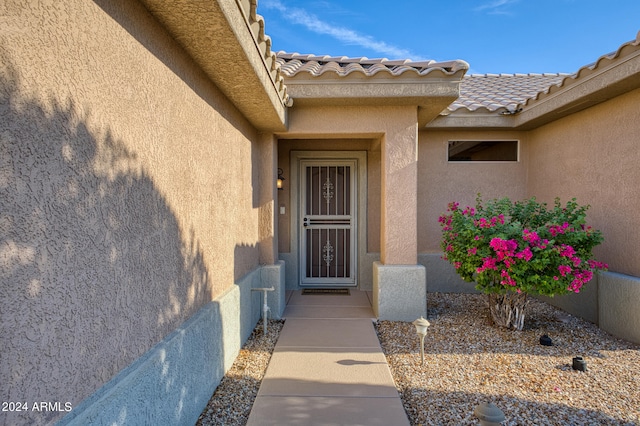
<point x="483" y="151"/>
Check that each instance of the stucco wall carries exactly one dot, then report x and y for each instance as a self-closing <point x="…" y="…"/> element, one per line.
<point x="126" y="197"/>
<point x="395" y="127"/>
<point x="441" y="182"/>
<point x="372" y="147"/>
<point x="594" y="155"/>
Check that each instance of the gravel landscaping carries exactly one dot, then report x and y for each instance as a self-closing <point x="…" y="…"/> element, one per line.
<point x="468" y="361"/>
<point x="232" y="400"/>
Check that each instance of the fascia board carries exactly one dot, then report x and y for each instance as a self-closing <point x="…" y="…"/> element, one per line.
<point x="216" y="34"/>
<point x="362" y="91"/>
<point x="620" y="77"/>
<point x="472" y="121"/>
<point x="430" y="97"/>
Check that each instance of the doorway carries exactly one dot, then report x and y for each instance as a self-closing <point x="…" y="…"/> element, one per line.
<point x="328" y="233"/>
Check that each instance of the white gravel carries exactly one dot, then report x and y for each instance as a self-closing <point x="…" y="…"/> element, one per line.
<point x="468" y="361"/>
<point x="232" y="400"/>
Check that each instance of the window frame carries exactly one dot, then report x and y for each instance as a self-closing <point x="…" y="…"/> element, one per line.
<point x="449" y="161"/>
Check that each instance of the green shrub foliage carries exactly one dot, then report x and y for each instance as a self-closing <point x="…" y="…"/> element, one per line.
<point x="521" y="247"/>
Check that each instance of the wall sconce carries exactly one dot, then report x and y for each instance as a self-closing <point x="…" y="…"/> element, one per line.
<point x="280" y="179"/>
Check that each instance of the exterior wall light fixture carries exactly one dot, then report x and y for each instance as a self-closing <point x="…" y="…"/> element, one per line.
<point x="280" y="179"/>
<point x="421" y="328"/>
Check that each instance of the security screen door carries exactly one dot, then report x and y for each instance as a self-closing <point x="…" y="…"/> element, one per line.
<point x="328" y="234"/>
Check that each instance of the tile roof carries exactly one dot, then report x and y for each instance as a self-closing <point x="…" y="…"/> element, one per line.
<point x="482" y="93"/>
<point x="501" y="92"/>
<point x="478" y="92"/>
<point x="625" y="51"/>
<point x="508" y="93"/>
<point x="295" y="64"/>
<point x="263" y="42"/>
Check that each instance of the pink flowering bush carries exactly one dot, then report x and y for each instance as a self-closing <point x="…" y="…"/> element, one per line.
<point x="521" y="247"/>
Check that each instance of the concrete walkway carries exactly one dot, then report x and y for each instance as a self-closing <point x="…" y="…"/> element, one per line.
<point x="328" y="368"/>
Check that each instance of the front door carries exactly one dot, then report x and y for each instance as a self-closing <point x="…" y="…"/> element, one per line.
<point x="327" y="233"/>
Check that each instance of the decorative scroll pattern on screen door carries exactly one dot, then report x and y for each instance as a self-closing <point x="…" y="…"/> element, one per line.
<point x="327" y="224"/>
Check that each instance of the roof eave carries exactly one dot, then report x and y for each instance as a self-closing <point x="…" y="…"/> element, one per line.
<point x="471" y="120"/>
<point x="226" y="39"/>
<point x="575" y="94"/>
<point x="611" y="76"/>
<point x="430" y="96"/>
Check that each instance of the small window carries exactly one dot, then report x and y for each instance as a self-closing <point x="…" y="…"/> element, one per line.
<point x="483" y="150"/>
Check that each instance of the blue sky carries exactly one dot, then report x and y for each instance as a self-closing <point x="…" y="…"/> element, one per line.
<point x="494" y="36"/>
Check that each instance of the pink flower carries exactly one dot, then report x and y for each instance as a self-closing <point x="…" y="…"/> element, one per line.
<point x="597" y="265"/>
<point x="531" y="237"/>
<point x="487" y="263"/>
<point x="498" y="244"/>
<point x="503" y="248"/>
<point x="564" y="270"/>
<point x="472" y="251"/>
<point x="557" y="229"/>
<point x="525" y="254"/>
<point x="575" y="286"/>
<point x="507" y="279"/>
<point x="580" y="278"/>
<point x="584" y="276"/>
<point x="566" y="250"/>
<point x="457" y="265"/>
<point x="482" y="223"/>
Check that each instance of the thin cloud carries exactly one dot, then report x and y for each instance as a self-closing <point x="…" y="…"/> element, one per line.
<point x="496" y="6"/>
<point x="342" y="34"/>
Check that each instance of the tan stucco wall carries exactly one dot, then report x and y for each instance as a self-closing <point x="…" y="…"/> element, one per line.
<point x="126" y="182"/>
<point x="441" y="182"/>
<point x="594" y="155"/>
<point x="372" y="148"/>
<point x="396" y="128"/>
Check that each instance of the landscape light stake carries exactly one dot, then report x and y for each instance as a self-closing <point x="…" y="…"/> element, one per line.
<point x="421" y="328"/>
<point x="489" y="414"/>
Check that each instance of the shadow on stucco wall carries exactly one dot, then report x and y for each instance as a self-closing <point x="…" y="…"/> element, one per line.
<point x="94" y="267"/>
<point x="141" y="25"/>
